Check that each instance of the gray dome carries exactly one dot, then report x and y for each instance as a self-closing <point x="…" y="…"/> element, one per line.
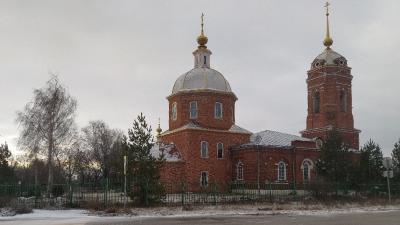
<point x="202" y="78"/>
<point x="329" y="58"/>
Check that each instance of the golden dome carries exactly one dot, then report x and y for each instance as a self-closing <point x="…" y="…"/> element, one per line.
<point x="328" y="41"/>
<point x="158" y="130"/>
<point x="202" y="40"/>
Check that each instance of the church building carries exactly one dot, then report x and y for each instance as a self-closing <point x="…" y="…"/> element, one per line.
<point x="203" y="144"/>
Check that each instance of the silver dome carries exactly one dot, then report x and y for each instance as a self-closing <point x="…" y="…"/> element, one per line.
<point x="201" y="78"/>
<point x="330" y="57"/>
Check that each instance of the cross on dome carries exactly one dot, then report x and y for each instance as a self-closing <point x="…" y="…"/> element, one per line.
<point x="328" y="40"/>
<point x="202" y="39"/>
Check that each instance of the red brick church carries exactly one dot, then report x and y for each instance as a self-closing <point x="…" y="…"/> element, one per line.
<point x="203" y="144"/>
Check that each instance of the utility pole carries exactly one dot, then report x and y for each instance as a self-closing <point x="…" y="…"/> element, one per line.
<point x="125" y="165"/>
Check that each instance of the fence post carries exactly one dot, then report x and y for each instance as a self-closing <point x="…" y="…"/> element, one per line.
<point x="183" y="188"/>
<point x="70" y="194"/>
<point x="214" y="189"/>
<point x="106" y="193"/>
<point x="270" y="190"/>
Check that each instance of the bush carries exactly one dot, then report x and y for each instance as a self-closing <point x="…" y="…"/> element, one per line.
<point x="93" y="205"/>
<point x="5" y="201"/>
<point x="57" y="190"/>
<point x="23" y="209"/>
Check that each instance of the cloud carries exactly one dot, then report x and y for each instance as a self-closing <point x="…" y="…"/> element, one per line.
<point x="120" y="58"/>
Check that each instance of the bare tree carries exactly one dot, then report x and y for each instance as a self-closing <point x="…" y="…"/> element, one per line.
<point x="102" y="144"/>
<point x="48" y="122"/>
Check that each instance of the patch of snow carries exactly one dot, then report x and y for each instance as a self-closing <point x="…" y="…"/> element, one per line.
<point x="167" y="150"/>
<point x="274" y="138"/>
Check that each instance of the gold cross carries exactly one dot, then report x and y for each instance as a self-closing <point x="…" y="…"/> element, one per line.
<point x="202" y="22"/>
<point x="327" y="8"/>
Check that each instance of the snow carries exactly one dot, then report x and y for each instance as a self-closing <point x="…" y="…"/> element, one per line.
<point x="168" y="150"/>
<point x="274" y="138"/>
<point x="47" y="217"/>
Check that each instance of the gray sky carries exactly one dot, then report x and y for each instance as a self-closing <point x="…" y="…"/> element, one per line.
<point x="120" y="58"/>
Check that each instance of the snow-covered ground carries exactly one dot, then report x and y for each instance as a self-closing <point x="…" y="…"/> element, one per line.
<point x="64" y="217"/>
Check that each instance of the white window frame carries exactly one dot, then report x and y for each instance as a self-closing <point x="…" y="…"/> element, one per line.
<point x="195" y="110"/>
<point x="284" y="171"/>
<point x="201" y="149"/>
<point x="174" y="111"/>
<point x="215" y="110"/>
<point x="239" y="171"/>
<point x="201" y="178"/>
<point x="222" y="149"/>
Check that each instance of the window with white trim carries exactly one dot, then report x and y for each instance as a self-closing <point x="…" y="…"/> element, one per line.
<point x="193" y="110"/>
<point x="204" y="179"/>
<point x="218" y="110"/>
<point x="174" y="111"/>
<point x="281" y="171"/>
<point x="220" y="150"/>
<point x="239" y="171"/>
<point x="204" y="149"/>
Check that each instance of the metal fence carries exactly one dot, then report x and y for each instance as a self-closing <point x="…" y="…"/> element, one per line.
<point x="107" y="194"/>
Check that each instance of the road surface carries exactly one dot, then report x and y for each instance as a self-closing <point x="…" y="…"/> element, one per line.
<point x="371" y="218"/>
<point x="80" y="218"/>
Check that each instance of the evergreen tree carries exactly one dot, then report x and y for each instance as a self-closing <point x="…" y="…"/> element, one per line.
<point x="335" y="163"/>
<point x="396" y="160"/>
<point x="371" y="165"/>
<point x="143" y="166"/>
<point x="6" y="172"/>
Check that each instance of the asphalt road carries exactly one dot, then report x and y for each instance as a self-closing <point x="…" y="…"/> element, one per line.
<point x="371" y="218"/>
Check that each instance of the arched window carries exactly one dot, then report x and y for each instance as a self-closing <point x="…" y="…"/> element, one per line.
<point x="316" y="102"/>
<point x="193" y="110"/>
<point x="306" y="167"/>
<point x="218" y="110"/>
<point x="343" y="101"/>
<point x="174" y="111"/>
<point x="220" y="151"/>
<point x="281" y="171"/>
<point x="204" y="149"/>
<point x="239" y="171"/>
<point x="306" y="172"/>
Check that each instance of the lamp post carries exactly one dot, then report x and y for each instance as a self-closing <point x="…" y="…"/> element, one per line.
<point x="125" y="165"/>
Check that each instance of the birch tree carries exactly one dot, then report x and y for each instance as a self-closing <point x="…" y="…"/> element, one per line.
<point x="47" y="122"/>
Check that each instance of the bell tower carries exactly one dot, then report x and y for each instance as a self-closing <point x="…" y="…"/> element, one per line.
<point x="329" y="95"/>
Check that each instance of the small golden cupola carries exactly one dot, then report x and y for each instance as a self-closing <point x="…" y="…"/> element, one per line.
<point x="202" y="39"/>
<point x="158" y="130"/>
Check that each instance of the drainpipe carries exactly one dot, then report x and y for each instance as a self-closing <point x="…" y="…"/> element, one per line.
<point x="258" y="170"/>
<point x="294" y="157"/>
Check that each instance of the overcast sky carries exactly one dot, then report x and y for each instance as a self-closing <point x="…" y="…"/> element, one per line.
<point x="120" y="58"/>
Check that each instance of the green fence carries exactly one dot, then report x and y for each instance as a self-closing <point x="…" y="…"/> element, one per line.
<point x="107" y="193"/>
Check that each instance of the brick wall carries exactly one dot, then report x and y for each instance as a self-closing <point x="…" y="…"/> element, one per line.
<point x="206" y="107"/>
<point x="267" y="159"/>
<point x="330" y="81"/>
<point x="188" y="141"/>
